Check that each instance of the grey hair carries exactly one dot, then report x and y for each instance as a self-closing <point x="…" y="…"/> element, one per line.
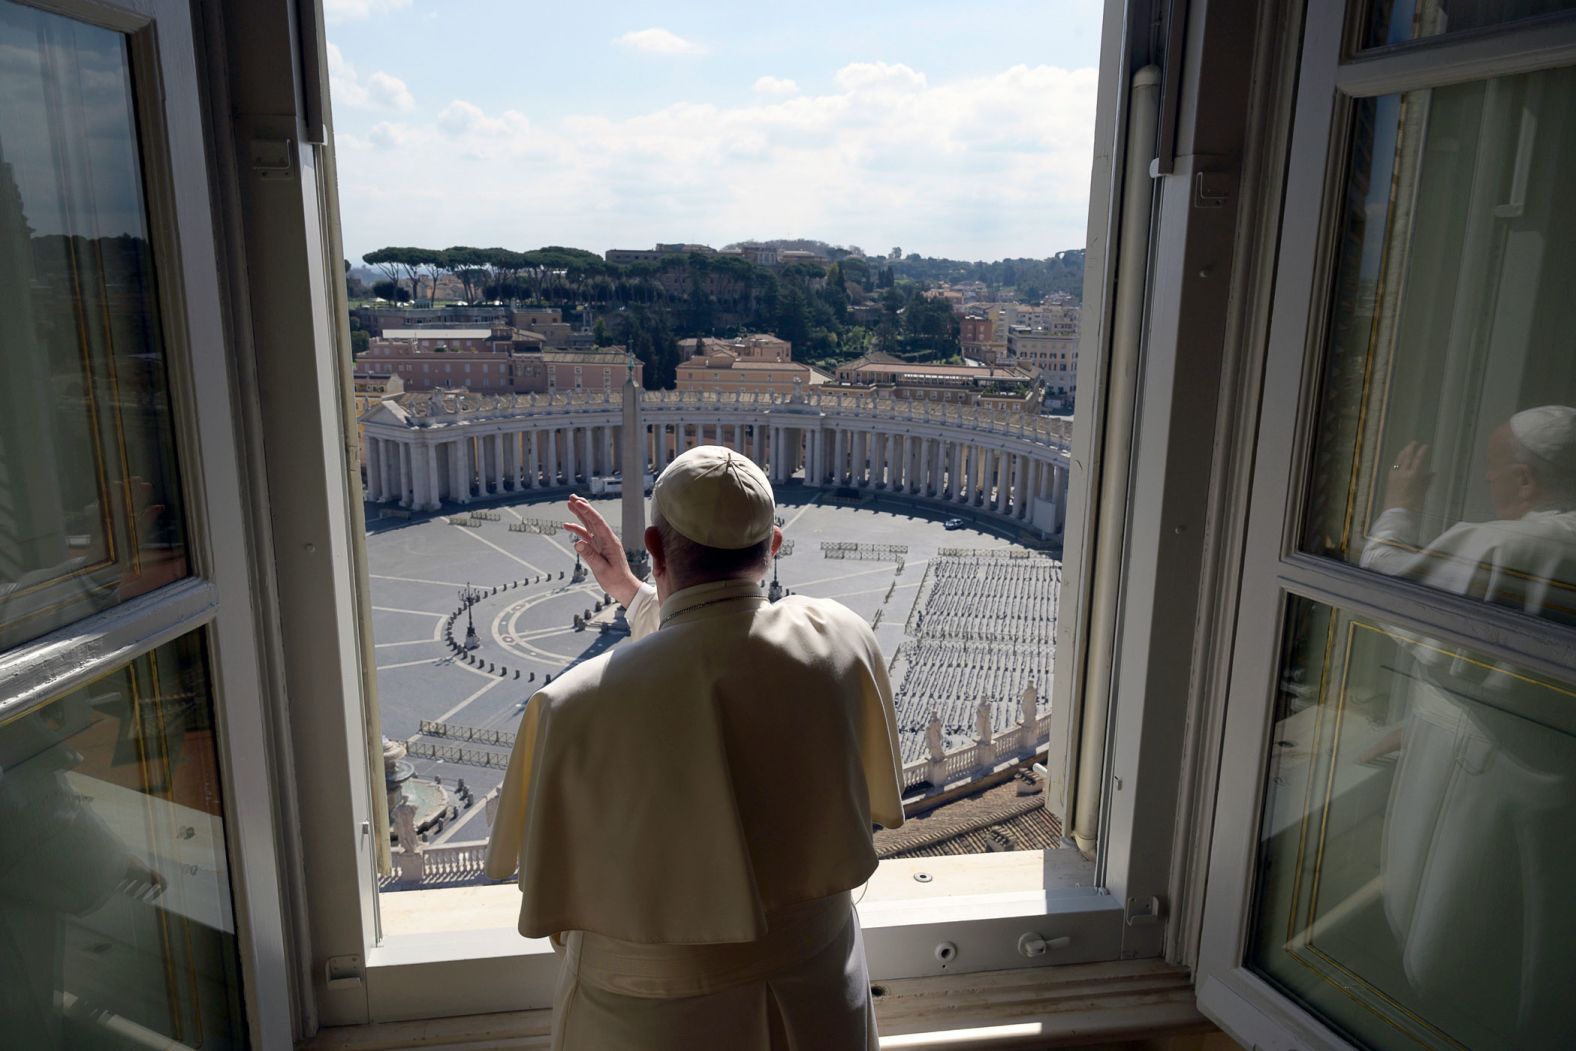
<point x="693" y="563"/>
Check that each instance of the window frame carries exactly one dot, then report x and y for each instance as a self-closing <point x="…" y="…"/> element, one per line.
<point x="1272" y="502"/>
<point x="218" y="597"/>
<point x="286" y="330"/>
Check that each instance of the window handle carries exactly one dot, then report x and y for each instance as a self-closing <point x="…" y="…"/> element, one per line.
<point x="1033" y="944"/>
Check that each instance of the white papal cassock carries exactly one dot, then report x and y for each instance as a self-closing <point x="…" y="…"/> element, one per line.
<point x="688" y="814"/>
<point x="1476" y="865"/>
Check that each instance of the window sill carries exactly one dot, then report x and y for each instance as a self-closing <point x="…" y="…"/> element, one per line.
<point x="996" y="1011"/>
<point x="446" y="953"/>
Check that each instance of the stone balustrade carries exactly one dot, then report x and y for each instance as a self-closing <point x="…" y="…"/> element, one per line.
<point x="985" y="756"/>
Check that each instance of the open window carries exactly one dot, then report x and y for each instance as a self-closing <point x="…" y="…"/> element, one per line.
<point x="1399" y="734"/>
<point x="419" y="953"/>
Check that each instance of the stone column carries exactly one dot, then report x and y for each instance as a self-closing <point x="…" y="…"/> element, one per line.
<point x="533" y="460"/>
<point x="404" y="474"/>
<point x="938" y="478"/>
<point x="419" y="488"/>
<point x="1002" y="483"/>
<point x="370" y="462"/>
<point x="916" y="464"/>
<point x="572" y="461"/>
<point x="550" y="468"/>
<point x="430" y="457"/>
<point x="467" y="468"/>
<point x="1025" y="487"/>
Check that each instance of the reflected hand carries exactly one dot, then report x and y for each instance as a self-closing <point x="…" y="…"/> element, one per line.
<point x="601" y="551"/>
<point x="1407" y="483"/>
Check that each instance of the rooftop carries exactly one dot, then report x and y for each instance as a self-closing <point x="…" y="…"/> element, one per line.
<point x="433" y="332"/>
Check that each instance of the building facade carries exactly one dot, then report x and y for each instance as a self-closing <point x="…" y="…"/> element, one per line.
<point x="424" y="449"/>
<point x="489" y="361"/>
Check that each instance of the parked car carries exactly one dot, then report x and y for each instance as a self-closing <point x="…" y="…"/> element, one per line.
<point x="953" y="523"/>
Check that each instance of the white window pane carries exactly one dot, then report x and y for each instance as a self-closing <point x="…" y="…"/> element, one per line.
<point x="116" y="923"/>
<point x="1414" y="867"/>
<point x="1398" y="21"/>
<point x="90" y="504"/>
<point x="1446" y="449"/>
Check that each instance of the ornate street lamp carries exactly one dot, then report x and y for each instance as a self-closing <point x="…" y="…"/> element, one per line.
<point x="468" y="598"/>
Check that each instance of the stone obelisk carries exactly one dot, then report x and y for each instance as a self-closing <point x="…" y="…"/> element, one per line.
<point x="632" y="460"/>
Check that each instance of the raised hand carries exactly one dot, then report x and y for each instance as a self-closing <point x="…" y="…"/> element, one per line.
<point x="1409" y="478"/>
<point x="601" y="551"/>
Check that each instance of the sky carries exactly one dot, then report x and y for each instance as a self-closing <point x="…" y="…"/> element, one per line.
<point x="947" y="129"/>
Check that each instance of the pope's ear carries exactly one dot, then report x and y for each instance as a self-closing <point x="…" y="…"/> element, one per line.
<point x="777" y="539"/>
<point x="653" y="538"/>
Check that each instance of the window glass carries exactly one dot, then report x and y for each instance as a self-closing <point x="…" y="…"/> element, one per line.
<point x="1446" y="442"/>
<point x="1414" y="869"/>
<point x="91" y="512"/>
<point x="116" y="924"/>
<point x="1397" y="21"/>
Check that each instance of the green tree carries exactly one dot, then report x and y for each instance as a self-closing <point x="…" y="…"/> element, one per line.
<point x="472" y="267"/>
<point x="793" y="318"/>
<point x="390" y="291"/>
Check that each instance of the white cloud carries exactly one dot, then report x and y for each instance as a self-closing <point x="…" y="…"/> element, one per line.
<point x="486" y="136"/>
<point x="390" y="91"/>
<point x="657" y="41"/>
<point x="379" y="91"/>
<point x="983" y="167"/>
<point x="358" y="10"/>
<point x="776" y="86"/>
<point x="857" y="75"/>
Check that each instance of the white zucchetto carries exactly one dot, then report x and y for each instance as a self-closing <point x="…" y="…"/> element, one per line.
<point x="1549" y="433"/>
<point x="716" y="497"/>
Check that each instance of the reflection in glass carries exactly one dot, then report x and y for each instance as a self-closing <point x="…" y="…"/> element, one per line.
<point x="116" y="927"/>
<point x="1397" y="21"/>
<point x="90" y="511"/>
<point x="1415" y="869"/>
<point x="1446" y="447"/>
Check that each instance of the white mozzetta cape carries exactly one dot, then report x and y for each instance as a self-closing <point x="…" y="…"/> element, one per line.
<point x="682" y="786"/>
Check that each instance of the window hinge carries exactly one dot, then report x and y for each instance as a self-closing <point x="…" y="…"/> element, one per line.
<point x="343" y="972"/>
<point x="1145" y="912"/>
<point x="1212" y="189"/>
<point x="272" y="158"/>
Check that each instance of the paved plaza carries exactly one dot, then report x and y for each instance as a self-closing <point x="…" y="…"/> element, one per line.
<point x="981" y="631"/>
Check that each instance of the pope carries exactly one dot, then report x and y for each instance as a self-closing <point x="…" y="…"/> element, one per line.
<point x="689" y="812"/>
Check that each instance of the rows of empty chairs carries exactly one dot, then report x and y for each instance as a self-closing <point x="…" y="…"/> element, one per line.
<point x="982" y="628"/>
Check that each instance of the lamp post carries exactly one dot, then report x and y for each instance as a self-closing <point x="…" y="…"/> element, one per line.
<point x="468" y="598"/>
<point x="774" y="592"/>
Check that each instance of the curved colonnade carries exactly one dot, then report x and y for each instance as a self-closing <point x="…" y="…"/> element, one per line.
<point x="424" y="448"/>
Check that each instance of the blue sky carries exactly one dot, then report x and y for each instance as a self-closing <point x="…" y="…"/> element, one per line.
<point x="949" y="129"/>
